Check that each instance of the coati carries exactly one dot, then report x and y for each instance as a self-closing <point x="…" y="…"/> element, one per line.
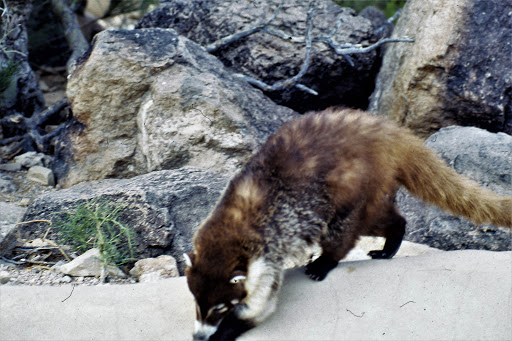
<point x="323" y="179"/>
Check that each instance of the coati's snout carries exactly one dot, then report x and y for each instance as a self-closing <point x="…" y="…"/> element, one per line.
<point x="216" y="295"/>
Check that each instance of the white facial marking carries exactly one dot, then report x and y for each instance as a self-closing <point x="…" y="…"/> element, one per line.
<point x="235" y="301"/>
<point x="188" y="261"/>
<point x="237" y="279"/>
<point x="203" y="331"/>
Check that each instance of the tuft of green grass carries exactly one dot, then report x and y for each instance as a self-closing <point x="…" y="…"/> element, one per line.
<point x="96" y="224"/>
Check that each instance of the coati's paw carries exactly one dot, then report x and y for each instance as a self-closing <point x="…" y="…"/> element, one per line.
<point x="319" y="269"/>
<point x="379" y="254"/>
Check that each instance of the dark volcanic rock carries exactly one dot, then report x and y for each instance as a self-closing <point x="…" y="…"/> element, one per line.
<point x="271" y="59"/>
<point x="456" y="73"/>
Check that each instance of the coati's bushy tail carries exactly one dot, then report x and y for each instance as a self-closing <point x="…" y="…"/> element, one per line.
<point x="426" y="176"/>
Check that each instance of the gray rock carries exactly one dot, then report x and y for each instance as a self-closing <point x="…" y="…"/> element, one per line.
<point x="154" y="269"/>
<point x="41" y="175"/>
<point x="8" y="238"/>
<point x="31" y="159"/>
<point x="457" y="72"/>
<point x="5" y="277"/>
<point x="165" y="207"/>
<point x="9" y="216"/>
<point x="10" y="167"/>
<point x="7" y="184"/>
<point x="269" y="58"/>
<point x="89" y="264"/>
<point x="65" y="279"/>
<point x="165" y="104"/>
<point x="482" y="156"/>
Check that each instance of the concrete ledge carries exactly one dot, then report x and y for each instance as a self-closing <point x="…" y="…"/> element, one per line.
<point x="458" y="295"/>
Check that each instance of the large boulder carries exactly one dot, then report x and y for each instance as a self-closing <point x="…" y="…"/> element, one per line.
<point x="457" y="72"/>
<point x="146" y="100"/>
<point x="163" y="208"/>
<point x="270" y="58"/>
<point x="482" y="156"/>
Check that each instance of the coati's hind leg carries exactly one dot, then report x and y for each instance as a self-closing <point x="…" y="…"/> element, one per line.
<point x="339" y="240"/>
<point x="393" y="229"/>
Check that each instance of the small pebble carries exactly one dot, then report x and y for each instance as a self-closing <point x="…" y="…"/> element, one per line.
<point x="24" y="202"/>
<point x="66" y="279"/>
<point x="4" y="277"/>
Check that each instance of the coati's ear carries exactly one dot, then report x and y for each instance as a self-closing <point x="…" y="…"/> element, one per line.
<point x="189" y="258"/>
<point x="237" y="279"/>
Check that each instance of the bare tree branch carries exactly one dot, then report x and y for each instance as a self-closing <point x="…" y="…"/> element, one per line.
<point x="239" y="35"/>
<point x="32" y="127"/>
<point x="390" y="21"/>
<point x="76" y="40"/>
<point x="347" y="49"/>
<point x="341" y="49"/>
<point x="292" y="81"/>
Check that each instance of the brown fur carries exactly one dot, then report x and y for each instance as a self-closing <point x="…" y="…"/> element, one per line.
<point x="325" y="179"/>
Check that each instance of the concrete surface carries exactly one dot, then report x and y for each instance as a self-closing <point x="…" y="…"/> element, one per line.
<point x="457" y="295"/>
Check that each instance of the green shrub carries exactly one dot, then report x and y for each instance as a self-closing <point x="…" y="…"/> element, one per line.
<point x="389" y="7"/>
<point x="125" y="6"/>
<point x="96" y="224"/>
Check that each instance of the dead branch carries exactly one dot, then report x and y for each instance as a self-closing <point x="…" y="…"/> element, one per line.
<point x="76" y="40"/>
<point x="292" y="81"/>
<point x="344" y="50"/>
<point x="341" y="49"/>
<point x="32" y="136"/>
<point x="211" y="48"/>
<point x="390" y="21"/>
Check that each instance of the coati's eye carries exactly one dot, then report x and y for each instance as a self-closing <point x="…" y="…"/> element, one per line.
<point x="237" y="279"/>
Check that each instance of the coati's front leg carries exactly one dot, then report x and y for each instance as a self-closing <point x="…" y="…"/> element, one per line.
<point x="241" y="320"/>
<point x="393" y="226"/>
<point x="262" y="285"/>
<point x="231" y="327"/>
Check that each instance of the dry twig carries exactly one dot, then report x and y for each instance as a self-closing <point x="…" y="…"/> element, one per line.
<point x="293" y="81"/>
<point x="340" y="49"/>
